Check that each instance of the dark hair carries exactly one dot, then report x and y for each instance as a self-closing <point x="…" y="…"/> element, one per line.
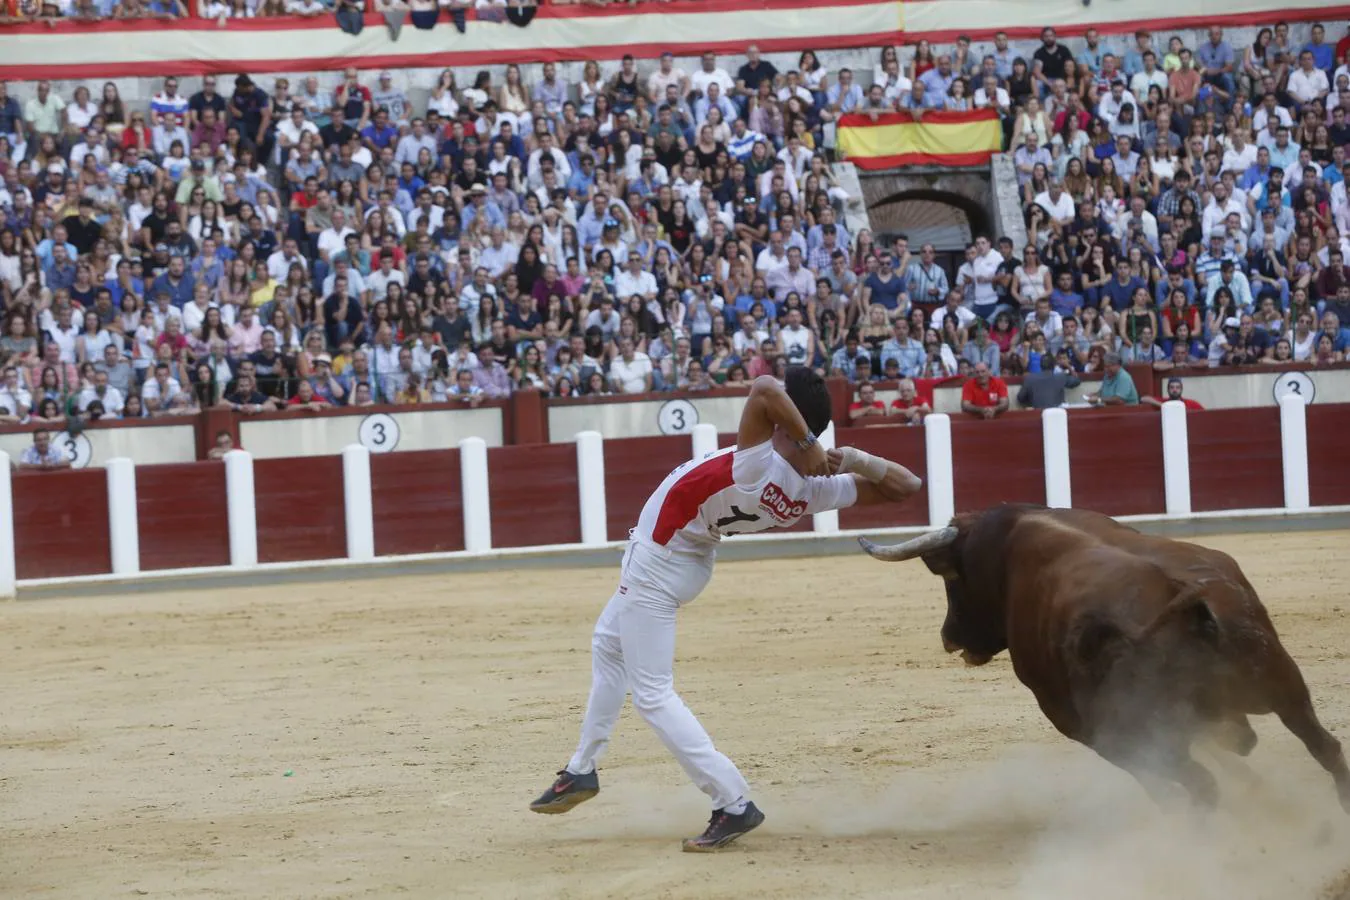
<point x="808" y="393"/>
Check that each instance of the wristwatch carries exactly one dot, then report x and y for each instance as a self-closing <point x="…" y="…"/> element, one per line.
<point x="807" y="442"/>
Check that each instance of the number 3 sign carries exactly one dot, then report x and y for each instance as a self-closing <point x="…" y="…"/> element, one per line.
<point x="76" y="447"/>
<point x="378" y="433"/>
<point x="677" y="417"/>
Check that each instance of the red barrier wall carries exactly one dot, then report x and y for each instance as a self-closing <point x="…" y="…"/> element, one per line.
<point x="416" y="501"/>
<point x="1003" y="464"/>
<point x="633" y="469"/>
<point x="300" y="508"/>
<point x="182" y="515"/>
<point x="1115" y="462"/>
<point x="1236" y="459"/>
<point x="1329" y="454"/>
<point x="61" y="523"/>
<point x="905" y="445"/>
<point x="534" y="495"/>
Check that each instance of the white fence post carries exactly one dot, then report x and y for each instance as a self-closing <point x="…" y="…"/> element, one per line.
<point x="591" y="487"/>
<point x="241" y="509"/>
<point x="1055" y="449"/>
<point x="123" y="527"/>
<point x="704" y="437"/>
<point x="360" y="515"/>
<point x="8" y="573"/>
<point x="1176" y="451"/>
<point x="474" y="495"/>
<point x="826" y="522"/>
<point x="1294" y="451"/>
<point x="941" y="486"/>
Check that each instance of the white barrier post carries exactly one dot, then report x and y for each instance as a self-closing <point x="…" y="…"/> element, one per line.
<point x="1294" y="451"/>
<point x="826" y="522"/>
<point x="704" y="437"/>
<point x="941" y="485"/>
<point x="591" y="487"/>
<point x="123" y="528"/>
<point x="474" y="495"/>
<point x="1176" y="450"/>
<point x="241" y="509"/>
<point x="360" y="515"/>
<point x="1055" y="449"/>
<point x="8" y="574"/>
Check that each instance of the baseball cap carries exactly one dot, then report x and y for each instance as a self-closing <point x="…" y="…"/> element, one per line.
<point x="1232" y="322"/>
<point x="161" y="248"/>
<point x="386" y="75"/>
<point x="1217" y="233"/>
<point x="56" y="167"/>
<point x="198" y="164"/>
<point x="323" y="358"/>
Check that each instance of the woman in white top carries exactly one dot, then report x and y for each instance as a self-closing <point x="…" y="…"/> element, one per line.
<point x="143" y="352"/>
<point x="1031" y="281"/>
<point x="266" y="208"/>
<point x="1031" y="119"/>
<point x="209" y="217"/>
<point x="1303" y="338"/>
<point x="590" y="87"/>
<point x="721" y="130"/>
<point x="815" y="77"/>
<point x="514" y="101"/>
<point x="443" y="96"/>
<point x="89" y="346"/>
<point x="879" y="72"/>
<point x="477" y="95"/>
<point x="81" y="111"/>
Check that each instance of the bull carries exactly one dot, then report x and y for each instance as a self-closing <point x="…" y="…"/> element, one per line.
<point x="1133" y="645"/>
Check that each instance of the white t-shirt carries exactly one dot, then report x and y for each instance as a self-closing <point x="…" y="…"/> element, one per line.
<point x="631" y="376"/>
<point x="735" y="491"/>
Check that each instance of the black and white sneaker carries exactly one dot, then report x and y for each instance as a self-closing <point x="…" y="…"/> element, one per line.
<point x="566" y="792"/>
<point x="723" y="828"/>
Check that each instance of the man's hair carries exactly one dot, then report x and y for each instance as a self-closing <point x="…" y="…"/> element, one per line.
<point x="808" y="393"/>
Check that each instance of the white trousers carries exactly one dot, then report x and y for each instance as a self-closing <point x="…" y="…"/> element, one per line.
<point x="633" y="649"/>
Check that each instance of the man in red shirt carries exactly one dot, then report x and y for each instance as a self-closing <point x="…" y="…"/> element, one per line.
<point x="985" y="395"/>
<point x="867" y="406"/>
<point x="1173" y="393"/>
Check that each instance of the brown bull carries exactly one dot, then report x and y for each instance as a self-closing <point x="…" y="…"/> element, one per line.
<point x="1132" y="644"/>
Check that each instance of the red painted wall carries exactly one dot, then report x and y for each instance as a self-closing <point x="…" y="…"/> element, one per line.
<point x="182" y="515"/>
<point x="300" y="508"/>
<point x="1115" y="462"/>
<point x="905" y="445"/>
<point x="633" y="469"/>
<point x="1236" y="459"/>
<point x="534" y="495"/>
<point x="416" y="502"/>
<point x="999" y="461"/>
<point x="61" y="523"/>
<point x="1328" y="454"/>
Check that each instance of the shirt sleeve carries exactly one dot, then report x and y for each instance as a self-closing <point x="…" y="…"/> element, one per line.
<point x="829" y="492"/>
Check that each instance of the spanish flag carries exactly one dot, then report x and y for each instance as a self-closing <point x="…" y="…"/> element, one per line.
<point x="939" y="138"/>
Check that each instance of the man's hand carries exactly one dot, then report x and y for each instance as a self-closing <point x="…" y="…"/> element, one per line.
<point x="836" y="458"/>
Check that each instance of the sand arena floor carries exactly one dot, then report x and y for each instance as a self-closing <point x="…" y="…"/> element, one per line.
<point x="382" y="738"/>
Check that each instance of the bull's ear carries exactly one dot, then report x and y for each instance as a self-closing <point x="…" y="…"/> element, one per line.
<point x="942" y="562"/>
<point x="1190" y="611"/>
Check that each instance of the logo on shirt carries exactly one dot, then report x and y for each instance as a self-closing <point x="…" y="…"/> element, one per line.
<point x="779" y="505"/>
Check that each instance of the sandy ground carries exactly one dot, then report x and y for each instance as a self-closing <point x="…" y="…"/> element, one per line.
<point x="381" y="739"/>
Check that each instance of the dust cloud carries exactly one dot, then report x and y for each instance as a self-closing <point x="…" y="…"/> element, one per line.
<point x="1080" y="827"/>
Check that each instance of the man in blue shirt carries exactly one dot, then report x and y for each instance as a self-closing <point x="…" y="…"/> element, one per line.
<point x="905" y="350"/>
<point x="1324" y="55"/>
<point x="1064" y="299"/>
<point x="380" y="133"/>
<point x="1120" y="289"/>
<point x="177" y="282"/>
<point x="1217" y="60"/>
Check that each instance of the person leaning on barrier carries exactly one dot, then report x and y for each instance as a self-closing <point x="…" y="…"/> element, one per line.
<point x="42" y="455"/>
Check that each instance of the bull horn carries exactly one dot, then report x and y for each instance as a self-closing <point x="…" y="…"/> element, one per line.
<point x="926" y="543"/>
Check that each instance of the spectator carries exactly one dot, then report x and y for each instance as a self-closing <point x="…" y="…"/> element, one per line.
<point x="1117" y="387"/>
<point x="867" y="407"/>
<point x="985" y="395"/>
<point x="41" y="455"/>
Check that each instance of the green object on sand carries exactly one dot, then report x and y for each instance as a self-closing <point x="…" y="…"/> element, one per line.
<point x="287" y="774"/>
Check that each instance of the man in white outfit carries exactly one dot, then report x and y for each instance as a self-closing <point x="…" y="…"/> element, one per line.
<point x="776" y="474"/>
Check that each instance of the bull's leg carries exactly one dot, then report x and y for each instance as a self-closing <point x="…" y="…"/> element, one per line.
<point x="1166" y="757"/>
<point x="1300" y="718"/>
<point x="1235" y="733"/>
<point x="1197" y="780"/>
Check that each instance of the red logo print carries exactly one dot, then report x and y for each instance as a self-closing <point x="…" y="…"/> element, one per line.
<point x="780" y="505"/>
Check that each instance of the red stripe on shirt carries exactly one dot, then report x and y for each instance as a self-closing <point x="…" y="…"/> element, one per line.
<point x="689" y="493"/>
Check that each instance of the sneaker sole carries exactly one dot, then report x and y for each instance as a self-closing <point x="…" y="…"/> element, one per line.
<point x="563" y="803"/>
<point x="691" y="845"/>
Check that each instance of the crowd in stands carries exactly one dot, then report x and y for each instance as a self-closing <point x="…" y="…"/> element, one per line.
<point x="283" y="246"/>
